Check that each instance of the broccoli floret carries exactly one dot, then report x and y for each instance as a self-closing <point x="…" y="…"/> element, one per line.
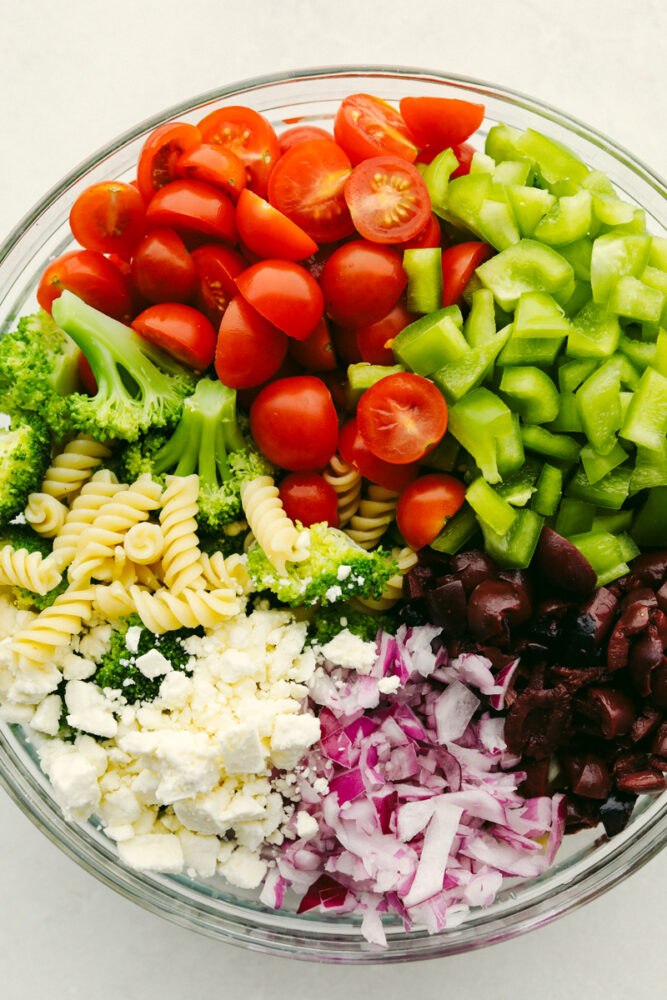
<point x="22" y="536"/>
<point x="39" y="368"/>
<point x="25" y="453"/>
<point x="208" y="441"/>
<point x="138" y="386"/>
<point x="335" y="569"/>
<point x="119" y="671"/>
<point x="328" y="621"/>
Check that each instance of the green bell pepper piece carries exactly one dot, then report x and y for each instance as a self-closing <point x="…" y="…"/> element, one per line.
<point x="465" y="196"/>
<point x="515" y="548"/>
<point x="527" y="266"/>
<point x="632" y="298"/>
<point x="436" y="178"/>
<point x="579" y="255"/>
<point x="444" y="456"/>
<point x="568" y="220"/>
<point x="629" y="549"/>
<point x="614" y="521"/>
<point x="599" y="402"/>
<point x="482" y="164"/>
<point x="568" y="420"/>
<point x="561" y="170"/>
<point x="518" y="487"/>
<point x="457" y="532"/>
<point x="468" y="371"/>
<point x="574" y="516"/>
<point x="611" y="491"/>
<point x="655" y="278"/>
<point x="362" y="376"/>
<point x="541" y="351"/>
<point x="480" y="325"/>
<point x="646" y="420"/>
<point x="572" y="373"/>
<point x="579" y="298"/>
<point x="649" y="527"/>
<point x="559" y="447"/>
<point x="496" y="224"/>
<point x="424" y="270"/>
<point x="549" y="490"/>
<point x="510" y="455"/>
<point x="615" y="255"/>
<point x="641" y="353"/>
<point x="650" y="469"/>
<point x="658" y="254"/>
<point x="476" y="421"/>
<point x="501" y="142"/>
<point x="531" y="393"/>
<point x="595" y="333"/>
<point x="513" y="172"/>
<point x="490" y="508"/>
<point x="611" y="211"/>
<point x="597" y="466"/>
<point x="539" y="315"/>
<point x="604" y="553"/>
<point x="529" y="205"/>
<point x="430" y="342"/>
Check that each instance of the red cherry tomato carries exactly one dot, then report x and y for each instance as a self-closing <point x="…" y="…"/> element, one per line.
<point x="307" y="185"/>
<point x="294" y="423"/>
<point x="463" y="152"/>
<point x="250" y="350"/>
<point x="179" y="330"/>
<point x="361" y="281"/>
<point x="217" y="267"/>
<point x="354" y="450"/>
<point x="160" y="153"/>
<point x="86" y="375"/>
<point x="425" y="507"/>
<point x="367" y="126"/>
<point x="214" y="165"/>
<point x="108" y="217"/>
<point x="193" y="206"/>
<point x="301" y="133"/>
<point x="441" y="121"/>
<point x="269" y="233"/>
<point x="345" y="344"/>
<point x="458" y="264"/>
<point x="92" y="277"/>
<point x="316" y="352"/>
<point x="387" y="199"/>
<point x="402" y="417"/>
<point x="285" y="294"/>
<point x="249" y="136"/>
<point x="430" y="236"/>
<point x="162" y="268"/>
<point x="309" y="498"/>
<point x="375" y="339"/>
<point x="286" y="369"/>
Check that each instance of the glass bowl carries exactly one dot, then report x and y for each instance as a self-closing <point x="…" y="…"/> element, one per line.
<point x="588" y="862"/>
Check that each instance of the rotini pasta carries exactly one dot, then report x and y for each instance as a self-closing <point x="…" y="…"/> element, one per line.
<point x="275" y="532"/>
<point x="54" y="627"/>
<point x="113" y="601"/>
<point x="406" y="559"/>
<point x="180" y="562"/>
<point x="346" y="481"/>
<point x="98" y="542"/>
<point x="30" y="570"/>
<point x="45" y="514"/>
<point x="163" y="611"/>
<point x="74" y="466"/>
<point x="221" y="573"/>
<point x="144" y="543"/>
<point x="375" y="514"/>
<point x="84" y="510"/>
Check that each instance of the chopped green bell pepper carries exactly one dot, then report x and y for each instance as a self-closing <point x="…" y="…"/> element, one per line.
<point x="649" y="527"/>
<point x="641" y="353"/>
<point x="646" y="420"/>
<point x="515" y="548"/>
<point x="604" y="553"/>
<point x="531" y="393"/>
<point x="518" y="487"/>
<point x="529" y="205"/>
<point x="490" y="508"/>
<point x="615" y="255"/>
<point x="571" y="374"/>
<point x="568" y="220"/>
<point x="476" y="421"/>
<point x="424" y="270"/>
<point x="611" y="491"/>
<point x="539" y="315"/>
<point x="558" y="447"/>
<point x="510" y="455"/>
<point x="632" y="298"/>
<point x="579" y="255"/>
<point x="465" y="196"/>
<point x="468" y="371"/>
<point x="436" y="178"/>
<point x="595" y="333"/>
<point x="480" y="325"/>
<point x="362" y="376"/>
<point x="430" y="342"/>
<point x="541" y="351"/>
<point x="495" y="223"/>
<point x="528" y="266"/>
<point x="574" y="516"/>
<point x="614" y="521"/>
<point x="568" y="420"/>
<point x="650" y="470"/>
<point x="457" y="532"/>
<point x="599" y="402"/>
<point x="549" y="490"/>
<point x="597" y="466"/>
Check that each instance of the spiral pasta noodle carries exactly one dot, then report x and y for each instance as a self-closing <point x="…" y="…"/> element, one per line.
<point x="346" y="482"/>
<point x="163" y="611"/>
<point x="74" y="466"/>
<point x="375" y="514"/>
<point x="98" y="542"/>
<point x="144" y="543"/>
<point x="220" y="572"/>
<point x="30" y="570"/>
<point x="45" y="514"/>
<point x="54" y="627"/>
<point x="180" y="562"/>
<point x="113" y="601"/>
<point x="83" y="512"/>
<point x="275" y="532"/>
<point x="406" y="559"/>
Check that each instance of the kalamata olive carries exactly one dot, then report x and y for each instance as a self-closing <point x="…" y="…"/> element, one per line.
<point x="614" y="710"/>
<point x="645" y="723"/>
<point x="659" y="620"/>
<point x="641" y="782"/>
<point x="584" y="632"/>
<point x="640" y="595"/>
<point x="473" y="568"/>
<point x="520" y="578"/>
<point x="447" y="606"/>
<point x="561" y="564"/>
<point x="645" y="655"/>
<point x="659" y="685"/>
<point x="662" y="598"/>
<point x="659" y="744"/>
<point x="633" y="621"/>
<point x="616" y="811"/>
<point x="493" y="607"/>
<point x="580" y="813"/>
<point x="538" y="722"/>
<point x="648" y="570"/>
<point x="588" y="775"/>
<point x="416" y="581"/>
<point x="574" y="678"/>
<point x="536" y="782"/>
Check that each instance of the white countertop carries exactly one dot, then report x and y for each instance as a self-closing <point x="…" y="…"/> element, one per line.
<point x="73" y="76"/>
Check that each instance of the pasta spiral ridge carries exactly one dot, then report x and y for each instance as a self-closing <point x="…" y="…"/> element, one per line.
<point x="113" y="601"/>
<point x="376" y="512"/>
<point x="74" y="466"/>
<point x="30" y="570"/>
<point x="45" y="514"/>
<point x="83" y="512"/>
<point x="54" y="627"/>
<point x="220" y="572"/>
<point x="275" y="532"/>
<point x="406" y="559"/>
<point x="181" y="559"/>
<point x="144" y="543"/>
<point x="346" y="482"/>
<point x="163" y="611"/>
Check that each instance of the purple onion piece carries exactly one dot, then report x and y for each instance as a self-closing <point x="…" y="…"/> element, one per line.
<point x="562" y="565"/>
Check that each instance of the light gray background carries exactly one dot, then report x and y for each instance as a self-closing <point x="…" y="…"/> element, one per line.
<point x="73" y="75"/>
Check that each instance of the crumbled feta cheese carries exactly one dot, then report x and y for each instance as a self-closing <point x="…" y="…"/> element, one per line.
<point x="77" y="668"/>
<point x="388" y="685"/>
<point x="47" y="716"/>
<point x="306" y="825"/>
<point x="186" y="763"/>
<point x="349" y="650"/>
<point x="333" y="593"/>
<point x="343" y="572"/>
<point x="241" y="749"/>
<point x="175" y="690"/>
<point x="89" y="710"/>
<point x="321" y="786"/>
<point x="153" y="852"/>
<point x="75" y="784"/>
<point x="291" y="737"/>
<point x="244" y="869"/>
<point x="153" y="664"/>
<point x="200" y="854"/>
<point x="132" y="637"/>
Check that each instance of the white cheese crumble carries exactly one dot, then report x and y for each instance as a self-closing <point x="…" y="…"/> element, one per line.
<point x="388" y="685"/>
<point x="153" y="664"/>
<point x="132" y="637"/>
<point x="349" y="650"/>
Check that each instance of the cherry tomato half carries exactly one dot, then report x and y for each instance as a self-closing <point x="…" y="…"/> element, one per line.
<point x="458" y="264"/>
<point x="108" y="217"/>
<point x="316" y="352"/>
<point x="285" y="294"/>
<point x="441" y="121"/>
<point x="367" y="126"/>
<point x="301" y="133"/>
<point x="294" y="423"/>
<point x="179" y="330"/>
<point x="309" y="498"/>
<point x="361" y="281"/>
<point x="307" y="186"/>
<point x="387" y="199"/>
<point x="430" y="236"/>
<point x="402" y="417"/>
<point x="217" y="268"/>
<point x="160" y="153"/>
<point x="269" y="233"/>
<point x="193" y="206"/>
<point x="92" y="277"/>
<point x="162" y="268"/>
<point x="249" y="136"/>
<point x="215" y="165"/>
<point x="375" y="339"/>
<point x="354" y="450"/>
<point x="426" y="505"/>
<point x="249" y="350"/>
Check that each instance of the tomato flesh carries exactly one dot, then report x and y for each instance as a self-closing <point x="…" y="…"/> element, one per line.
<point x="307" y="185"/>
<point x="179" y="330"/>
<point x="249" y="349"/>
<point x="354" y="450"/>
<point x="193" y="206"/>
<point x="285" y="294"/>
<point x="92" y="277"/>
<point x="441" y="121"/>
<point x="426" y="505"/>
<point x="387" y="199"/>
<point x="361" y="281"/>
<point x="367" y="126"/>
<point x="374" y="340"/>
<point x="217" y="268"/>
<point x="269" y="233"/>
<point x="430" y="236"/>
<point x="214" y="165"/>
<point x="162" y="269"/>
<point x="108" y="217"/>
<point x="458" y="264"/>
<point x="316" y="352"/>
<point x="160" y="153"/>
<point x="249" y="136"/>
<point x="301" y="133"/>
<point x="402" y="417"/>
<point x="294" y="423"/>
<point x="309" y="499"/>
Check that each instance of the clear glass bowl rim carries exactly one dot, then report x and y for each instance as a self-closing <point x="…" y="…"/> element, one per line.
<point x="326" y="940"/>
